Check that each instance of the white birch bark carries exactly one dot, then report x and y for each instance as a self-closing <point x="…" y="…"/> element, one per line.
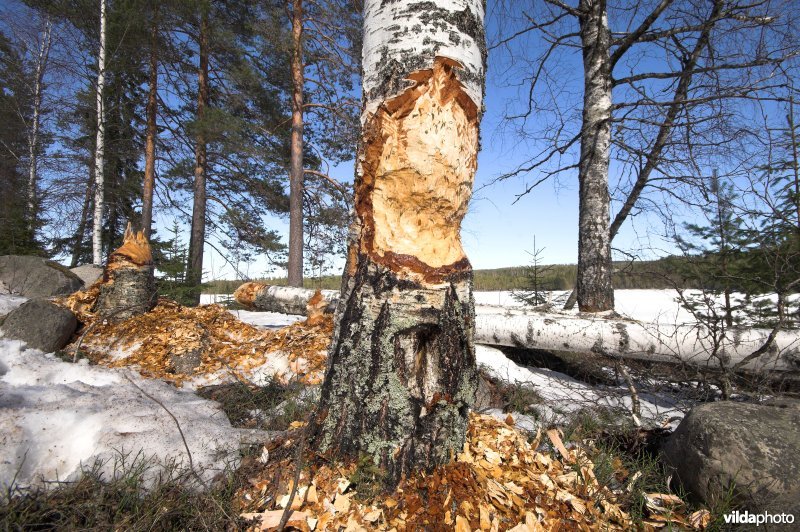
<point x="594" y="290"/>
<point x="399" y="38"/>
<point x="33" y="137"/>
<point x="685" y="344"/>
<point x="99" y="189"/>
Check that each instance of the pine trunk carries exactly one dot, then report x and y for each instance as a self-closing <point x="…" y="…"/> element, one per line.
<point x="594" y="290"/>
<point x="99" y="186"/>
<point x="152" y="131"/>
<point x="80" y="233"/>
<point x="194" y="273"/>
<point x="295" y="266"/>
<point x="401" y="371"/>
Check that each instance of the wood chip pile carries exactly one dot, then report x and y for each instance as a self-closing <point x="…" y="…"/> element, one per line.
<point x="208" y="334"/>
<point x="498" y="482"/>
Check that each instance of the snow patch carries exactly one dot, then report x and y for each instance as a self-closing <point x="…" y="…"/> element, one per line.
<point x="57" y="418"/>
<point x="9" y="303"/>
<point x="562" y="395"/>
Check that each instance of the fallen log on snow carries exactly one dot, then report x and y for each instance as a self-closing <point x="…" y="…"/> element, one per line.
<point x="654" y="342"/>
<point x="283" y="299"/>
<point x="518" y="327"/>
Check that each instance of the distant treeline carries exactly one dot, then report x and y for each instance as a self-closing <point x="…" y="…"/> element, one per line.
<point x="627" y="275"/>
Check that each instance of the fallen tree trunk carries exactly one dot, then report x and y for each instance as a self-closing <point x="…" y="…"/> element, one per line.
<point x="684" y="344"/>
<point x="520" y="327"/>
<point x="284" y="299"/>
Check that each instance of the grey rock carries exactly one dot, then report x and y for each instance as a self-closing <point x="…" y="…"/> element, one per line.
<point x="89" y="273"/>
<point x="185" y="363"/>
<point x="31" y="276"/>
<point x="752" y="448"/>
<point x="41" y="324"/>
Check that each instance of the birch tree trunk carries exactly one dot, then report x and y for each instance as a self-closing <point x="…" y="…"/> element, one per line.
<point x="194" y="274"/>
<point x="152" y="131"/>
<point x="401" y="368"/>
<point x="99" y="186"/>
<point x="295" y="265"/>
<point x="594" y="290"/>
<point x="33" y="137"/>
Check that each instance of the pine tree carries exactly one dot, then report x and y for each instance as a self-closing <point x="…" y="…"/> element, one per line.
<point x="537" y="280"/>
<point x="717" y="256"/>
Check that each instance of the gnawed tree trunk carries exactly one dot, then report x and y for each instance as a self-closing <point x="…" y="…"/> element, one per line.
<point x="401" y="370"/>
<point x="284" y="299"/>
<point x="594" y="290"/>
<point x="152" y="130"/>
<point x="99" y="182"/>
<point x="197" y="235"/>
<point x="128" y="287"/>
<point x="693" y="345"/>
<point x="295" y="262"/>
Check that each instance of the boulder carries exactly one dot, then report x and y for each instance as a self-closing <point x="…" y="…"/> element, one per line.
<point x="752" y="448"/>
<point x="41" y="324"/>
<point x="29" y="276"/>
<point x="89" y="273"/>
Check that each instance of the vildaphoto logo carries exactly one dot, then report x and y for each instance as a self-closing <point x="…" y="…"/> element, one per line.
<point x="764" y="518"/>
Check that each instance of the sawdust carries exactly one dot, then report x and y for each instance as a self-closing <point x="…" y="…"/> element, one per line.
<point x="498" y="482"/>
<point x="210" y="334"/>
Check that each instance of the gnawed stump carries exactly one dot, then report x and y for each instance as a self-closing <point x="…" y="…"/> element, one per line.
<point x="128" y="287"/>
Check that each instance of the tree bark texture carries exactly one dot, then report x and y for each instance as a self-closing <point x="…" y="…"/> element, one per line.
<point x="283" y="299"/>
<point x="295" y="265"/>
<point x="401" y="368"/>
<point x="197" y="236"/>
<point x="128" y="288"/>
<point x="595" y="293"/>
<point x="693" y="345"/>
<point x="152" y="131"/>
<point x="99" y="186"/>
<point x="33" y="136"/>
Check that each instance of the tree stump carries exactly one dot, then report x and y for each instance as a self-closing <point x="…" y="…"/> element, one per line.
<point x="128" y="287"/>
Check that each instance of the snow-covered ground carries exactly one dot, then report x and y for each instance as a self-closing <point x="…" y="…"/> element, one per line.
<point x="57" y="417"/>
<point x="563" y="395"/>
<point x="647" y="306"/>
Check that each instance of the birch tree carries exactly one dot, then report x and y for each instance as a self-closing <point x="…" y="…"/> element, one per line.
<point x="665" y="85"/>
<point x="99" y="190"/>
<point x="401" y="368"/>
<point x="40" y="65"/>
